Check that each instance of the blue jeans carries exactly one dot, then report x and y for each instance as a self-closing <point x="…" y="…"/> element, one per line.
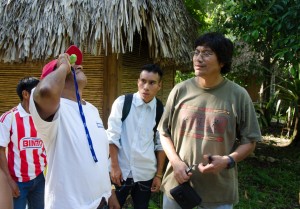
<point x="31" y="192"/>
<point x="140" y="193"/>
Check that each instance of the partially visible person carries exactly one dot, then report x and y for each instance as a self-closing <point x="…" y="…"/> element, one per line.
<point x="74" y="137"/>
<point x="200" y="124"/>
<point x="26" y="157"/>
<point x="6" y="198"/>
<point x="137" y="157"/>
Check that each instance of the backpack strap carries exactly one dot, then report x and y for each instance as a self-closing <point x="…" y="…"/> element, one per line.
<point x="159" y="112"/>
<point x="126" y="106"/>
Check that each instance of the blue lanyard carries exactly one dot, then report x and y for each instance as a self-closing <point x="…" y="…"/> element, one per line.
<point x="83" y="118"/>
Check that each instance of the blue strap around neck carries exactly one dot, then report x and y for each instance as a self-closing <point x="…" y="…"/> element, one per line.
<point x="83" y="118"/>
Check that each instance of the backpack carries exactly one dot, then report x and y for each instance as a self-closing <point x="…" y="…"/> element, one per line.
<point x="127" y="106"/>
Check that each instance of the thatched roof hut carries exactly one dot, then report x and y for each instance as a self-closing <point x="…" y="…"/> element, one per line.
<point x="41" y="29"/>
<point x="116" y="32"/>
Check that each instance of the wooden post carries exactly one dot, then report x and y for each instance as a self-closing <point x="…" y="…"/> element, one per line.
<point x="112" y="82"/>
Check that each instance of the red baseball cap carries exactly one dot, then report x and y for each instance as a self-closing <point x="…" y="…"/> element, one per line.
<point x="51" y="66"/>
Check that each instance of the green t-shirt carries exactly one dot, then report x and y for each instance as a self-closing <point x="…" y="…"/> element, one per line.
<point x="203" y="121"/>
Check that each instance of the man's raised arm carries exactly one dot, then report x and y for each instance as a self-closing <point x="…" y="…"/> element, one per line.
<point x="48" y="92"/>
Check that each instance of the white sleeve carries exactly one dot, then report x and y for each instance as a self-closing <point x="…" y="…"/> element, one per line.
<point x="158" y="146"/>
<point x="5" y="127"/>
<point x="114" y="122"/>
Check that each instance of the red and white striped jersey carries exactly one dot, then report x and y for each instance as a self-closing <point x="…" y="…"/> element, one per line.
<point x="26" y="154"/>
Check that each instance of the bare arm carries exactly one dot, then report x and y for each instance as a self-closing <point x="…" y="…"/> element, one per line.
<point x="161" y="158"/>
<point x="47" y="93"/>
<point x="178" y="165"/>
<point x="243" y="151"/>
<point x="115" y="173"/>
<point x="5" y="194"/>
<point x="3" y="164"/>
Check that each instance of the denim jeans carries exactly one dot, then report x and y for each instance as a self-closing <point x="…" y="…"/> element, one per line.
<point x="31" y="193"/>
<point x="140" y="193"/>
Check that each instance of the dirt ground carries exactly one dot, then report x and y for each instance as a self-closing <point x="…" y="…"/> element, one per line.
<point x="277" y="141"/>
<point x="276" y="145"/>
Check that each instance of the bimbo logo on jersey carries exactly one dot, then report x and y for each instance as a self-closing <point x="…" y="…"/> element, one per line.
<point x="30" y="143"/>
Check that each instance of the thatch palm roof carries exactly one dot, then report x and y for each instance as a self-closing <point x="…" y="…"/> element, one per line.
<point x="38" y="29"/>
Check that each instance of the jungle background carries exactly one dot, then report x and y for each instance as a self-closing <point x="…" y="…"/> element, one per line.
<point x="266" y="34"/>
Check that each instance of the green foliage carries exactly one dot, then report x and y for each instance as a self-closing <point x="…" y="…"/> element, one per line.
<point x="182" y="76"/>
<point x="203" y="12"/>
<point x="271" y="26"/>
<point x="156" y="201"/>
<point x="262" y="120"/>
<point x="197" y="11"/>
<point x="287" y="96"/>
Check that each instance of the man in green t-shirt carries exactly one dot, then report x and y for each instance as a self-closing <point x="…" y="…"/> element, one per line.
<point x="200" y="124"/>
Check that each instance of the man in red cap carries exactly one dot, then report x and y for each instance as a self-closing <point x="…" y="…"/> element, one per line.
<point x="74" y="138"/>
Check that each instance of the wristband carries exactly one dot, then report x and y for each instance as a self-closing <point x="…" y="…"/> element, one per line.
<point x="159" y="176"/>
<point x="231" y="163"/>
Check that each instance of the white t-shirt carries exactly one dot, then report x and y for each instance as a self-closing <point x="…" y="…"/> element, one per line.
<point x="73" y="179"/>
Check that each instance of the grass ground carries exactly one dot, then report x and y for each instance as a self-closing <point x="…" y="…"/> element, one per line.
<point x="270" y="179"/>
<point x="264" y="184"/>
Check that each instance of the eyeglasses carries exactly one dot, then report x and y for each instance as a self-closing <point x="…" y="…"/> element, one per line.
<point x="203" y="54"/>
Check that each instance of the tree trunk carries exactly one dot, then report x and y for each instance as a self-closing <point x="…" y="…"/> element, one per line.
<point x="267" y="75"/>
<point x="266" y="94"/>
<point x="296" y="133"/>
